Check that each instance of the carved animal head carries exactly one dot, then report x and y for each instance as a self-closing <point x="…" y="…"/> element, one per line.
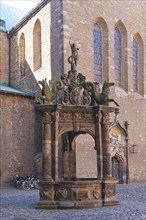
<point x="106" y="85"/>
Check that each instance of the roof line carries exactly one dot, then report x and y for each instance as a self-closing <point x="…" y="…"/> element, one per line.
<point x="28" y="16"/>
<point x="17" y="94"/>
<point x="27" y="93"/>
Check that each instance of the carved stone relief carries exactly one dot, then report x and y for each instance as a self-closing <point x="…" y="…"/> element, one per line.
<point x="110" y="191"/>
<point x="117" y="140"/>
<point x="62" y="194"/>
<point x="47" y="194"/>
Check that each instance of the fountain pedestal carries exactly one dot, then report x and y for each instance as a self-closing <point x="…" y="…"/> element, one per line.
<point x="58" y="190"/>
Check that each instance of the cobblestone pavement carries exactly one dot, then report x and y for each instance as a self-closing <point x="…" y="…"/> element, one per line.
<point x="20" y="205"/>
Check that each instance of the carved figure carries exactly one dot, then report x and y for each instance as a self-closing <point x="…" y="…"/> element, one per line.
<point x="81" y="77"/>
<point x="50" y="94"/>
<point x="100" y="98"/>
<point x="104" y="95"/>
<point x="74" y="57"/>
<point x="86" y="99"/>
<point x="75" y="97"/>
<point x="73" y="89"/>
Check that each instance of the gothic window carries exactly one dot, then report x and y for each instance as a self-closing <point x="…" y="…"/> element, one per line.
<point x="22" y="54"/>
<point x="117" y="48"/>
<point x="97" y="53"/>
<point x="138" y="64"/>
<point x="37" y="62"/>
<point x="135" y="65"/>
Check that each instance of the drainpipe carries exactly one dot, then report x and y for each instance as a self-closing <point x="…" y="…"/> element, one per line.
<point x="127" y="161"/>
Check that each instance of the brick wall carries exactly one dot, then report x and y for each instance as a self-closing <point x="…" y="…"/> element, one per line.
<point x="20" y="137"/>
<point x="79" y="18"/>
<point x="57" y="44"/>
<point x="29" y="80"/>
<point x="86" y="157"/>
<point x="61" y="20"/>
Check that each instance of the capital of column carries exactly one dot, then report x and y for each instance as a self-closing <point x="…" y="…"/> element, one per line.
<point x="47" y="119"/>
<point x="105" y="118"/>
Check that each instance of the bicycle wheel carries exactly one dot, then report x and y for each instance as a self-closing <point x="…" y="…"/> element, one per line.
<point x="36" y="185"/>
<point x="26" y="185"/>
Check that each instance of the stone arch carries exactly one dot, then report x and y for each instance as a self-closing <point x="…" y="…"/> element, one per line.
<point x="77" y="148"/>
<point x="138" y="76"/>
<point x="118" y="167"/>
<point x="37" y="59"/>
<point x="119" y="157"/>
<point x="120" y="57"/>
<point x="84" y="130"/>
<point x="103" y="48"/>
<point x="22" y="54"/>
<point x="118" y="151"/>
<point x="84" y="146"/>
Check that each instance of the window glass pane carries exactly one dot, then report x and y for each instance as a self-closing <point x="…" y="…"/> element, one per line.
<point x="117" y="48"/>
<point x="97" y="53"/>
<point x="135" y="64"/>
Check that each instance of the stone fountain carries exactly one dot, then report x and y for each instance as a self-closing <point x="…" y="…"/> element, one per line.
<point x="71" y="106"/>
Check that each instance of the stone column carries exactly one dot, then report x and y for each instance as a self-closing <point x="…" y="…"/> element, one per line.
<point x="98" y="145"/>
<point x="56" y="147"/>
<point x="106" y="145"/>
<point x="47" y="149"/>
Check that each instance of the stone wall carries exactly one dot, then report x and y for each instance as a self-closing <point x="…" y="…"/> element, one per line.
<point x="20" y="137"/>
<point x="60" y="20"/>
<point x="86" y="157"/>
<point x="57" y="41"/>
<point x="79" y="18"/>
<point x="4" y="58"/>
<point x="29" y="80"/>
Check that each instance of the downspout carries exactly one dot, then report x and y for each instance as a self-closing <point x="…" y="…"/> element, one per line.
<point x="127" y="156"/>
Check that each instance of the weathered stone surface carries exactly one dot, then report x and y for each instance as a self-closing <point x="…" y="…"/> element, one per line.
<point x="19" y="127"/>
<point x="4" y="58"/>
<point x="61" y="20"/>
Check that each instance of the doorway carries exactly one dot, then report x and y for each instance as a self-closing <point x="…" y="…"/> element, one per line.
<point x="117" y="169"/>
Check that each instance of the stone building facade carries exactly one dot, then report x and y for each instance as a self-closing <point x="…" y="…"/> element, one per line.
<point x="45" y="32"/>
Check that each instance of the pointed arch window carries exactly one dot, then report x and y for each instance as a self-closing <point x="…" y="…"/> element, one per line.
<point x="97" y="53"/>
<point x="138" y="64"/>
<point x="135" y="65"/>
<point x="117" y="58"/>
<point x="22" y="54"/>
<point x="37" y="60"/>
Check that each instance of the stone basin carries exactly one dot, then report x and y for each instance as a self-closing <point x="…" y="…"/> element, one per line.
<point x="76" y="194"/>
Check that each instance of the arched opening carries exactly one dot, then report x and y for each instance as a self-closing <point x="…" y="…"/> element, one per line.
<point x="138" y="64"/>
<point x="86" y="157"/>
<point x="120" y="55"/>
<point x="118" y="152"/>
<point x="22" y="55"/>
<point x="97" y="53"/>
<point x="37" y="59"/>
<point x="117" y="168"/>
<point x="79" y="157"/>
<point x="100" y="38"/>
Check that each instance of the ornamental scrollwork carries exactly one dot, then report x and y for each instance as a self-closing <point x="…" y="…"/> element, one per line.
<point x="73" y="89"/>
